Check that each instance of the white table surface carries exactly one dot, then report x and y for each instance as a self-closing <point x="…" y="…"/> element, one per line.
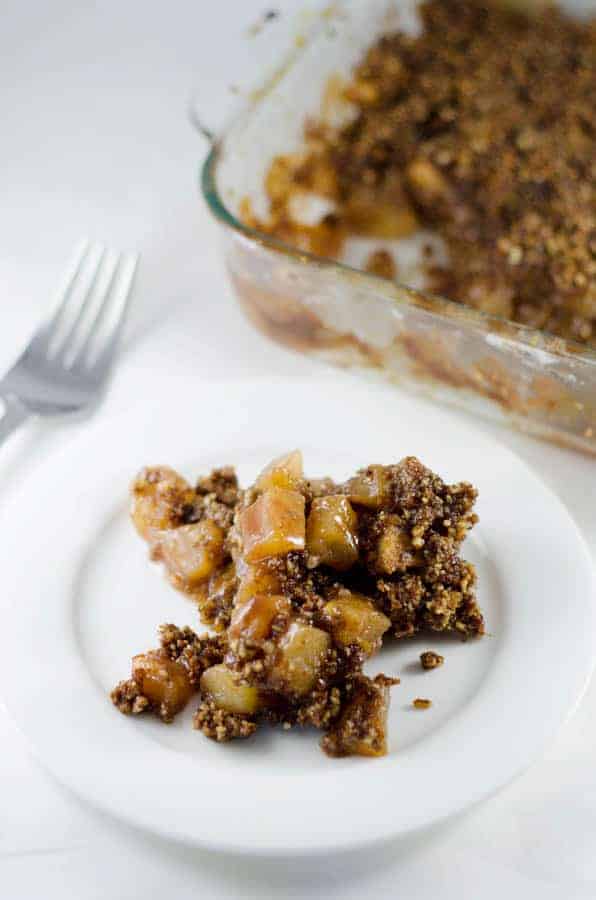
<point x="95" y="141"/>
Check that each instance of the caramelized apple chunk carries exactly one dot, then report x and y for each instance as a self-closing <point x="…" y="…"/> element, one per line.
<point x="361" y="729"/>
<point x="332" y="532"/>
<point x="191" y="553"/>
<point x="159" y="500"/>
<point x="394" y="551"/>
<point x="321" y="487"/>
<point x="300" y="655"/>
<point x="369" y="487"/>
<point x="219" y="684"/>
<point x="384" y="220"/>
<point x="252" y="619"/>
<point x="164" y="682"/>
<point x="258" y="579"/>
<point x="284" y="472"/>
<point x="273" y="525"/>
<point x="355" y="619"/>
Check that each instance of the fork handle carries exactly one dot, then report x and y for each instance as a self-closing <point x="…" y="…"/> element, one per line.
<point x="12" y="414"/>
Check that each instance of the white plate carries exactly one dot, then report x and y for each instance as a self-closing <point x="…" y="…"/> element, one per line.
<point x="86" y="600"/>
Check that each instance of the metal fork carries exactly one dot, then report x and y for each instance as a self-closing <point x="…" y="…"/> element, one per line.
<point x="65" y="366"/>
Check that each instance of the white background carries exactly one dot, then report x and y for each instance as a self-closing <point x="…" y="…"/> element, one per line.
<point x="95" y="140"/>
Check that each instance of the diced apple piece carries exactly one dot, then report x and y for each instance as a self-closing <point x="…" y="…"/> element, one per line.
<point x="300" y="655"/>
<point x="219" y="684"/>
<point x="284" y="472"/>
<point x="356" y="620"/>
<point x="331" y="532"/>
<point x="361" y="729"/>
<point x="258" y="579"/>
<point x="252" y="619"/>
<point x="163" y="681"/>
<point x="386" y="220"/>
<point x="394" y="551"/>
<point x="223" y="583"/>
<point x="273" y="525"/>
<point x="215" y="597"/>
<point x="159" y="496"/>
<point x="369" y="487"/>
<point x="321" y="487"/>
<point x="193" y="552"/>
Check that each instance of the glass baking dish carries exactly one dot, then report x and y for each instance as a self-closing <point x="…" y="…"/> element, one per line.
<point x="540" y="383"/>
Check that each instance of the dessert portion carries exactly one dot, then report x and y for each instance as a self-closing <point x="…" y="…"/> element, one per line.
<point x="301" y="580"/>
<point x="481" y="128"/>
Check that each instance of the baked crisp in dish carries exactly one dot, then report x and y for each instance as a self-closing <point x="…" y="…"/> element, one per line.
<point x="301" y="580"/>
<point x="481" y="128"/>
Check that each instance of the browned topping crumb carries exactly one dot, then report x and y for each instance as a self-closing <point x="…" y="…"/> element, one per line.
<point x="195" y="652"/>
<point x="322" y="708"/>
<point x="483" y="128"/>
<point x="221" y="726"/>
<point x="381" y="263"/>
<point x="403" y="601"/>
<point x="303" y="579"/>
<point x="223" y="483"/>
<point x="421" y="703"/>
<point x="208" y="506"/>
<point x="431" y="660"/>
<point x="127" y="697"/>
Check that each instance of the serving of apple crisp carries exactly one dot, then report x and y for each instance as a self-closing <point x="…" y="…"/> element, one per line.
<point x="301" y="580"/>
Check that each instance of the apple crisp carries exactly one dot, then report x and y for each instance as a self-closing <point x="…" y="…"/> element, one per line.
<point x="301" y="581"/>
<point x="481" y="128"/>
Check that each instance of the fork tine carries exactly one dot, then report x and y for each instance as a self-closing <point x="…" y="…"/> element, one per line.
<point x="63" y="294"/>
<point x="101" y="343"/>
<point x="91" y="309"/>
<point x="89" y="278"/>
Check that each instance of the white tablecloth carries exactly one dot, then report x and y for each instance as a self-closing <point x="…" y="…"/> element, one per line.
<point x="95" y="141"/>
